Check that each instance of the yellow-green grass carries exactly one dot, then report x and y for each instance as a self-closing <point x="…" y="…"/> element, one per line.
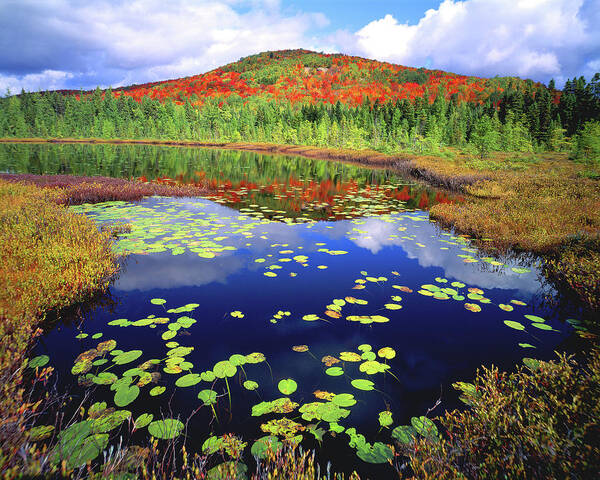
<point x="51" y="258"/>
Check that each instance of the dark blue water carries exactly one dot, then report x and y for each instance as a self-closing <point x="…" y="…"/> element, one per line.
<point x="436" y="341"/>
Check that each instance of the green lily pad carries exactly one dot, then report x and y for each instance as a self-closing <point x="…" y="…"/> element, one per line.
<point x="107" y="422"/>
<point x="424" y="426"/>
<point x="404" y="434"/>
<point x="362" y="384"/>
<point x="287" y="386"/>
<point x="224" y="369"/>
<point x="385" y="418"/>
<point x="344" y="400"/>
<point x="541" y="326"/>
<point x="159" y="390"/>
<point x="188" y="380"/>
<point x="263" y="445"/>
<point x="39" y="361"/>
<point x="143" y="420"/>
<point x="158" y="301"/>
<point x="127" y="357"/>
<point x="250" y="385"/>
<point x="208" y="397"/>
<point x="515" y="325"/>
<point x="334" y="371"/>
<point x="534" y="318"/>
<point x="229" y="470"/>
<point x="125" y="395"/>
<point x="166" y="429"/>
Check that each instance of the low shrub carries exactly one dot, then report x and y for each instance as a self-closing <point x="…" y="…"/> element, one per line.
<point x="51" y="258"/>
<point x="542" y="421"/>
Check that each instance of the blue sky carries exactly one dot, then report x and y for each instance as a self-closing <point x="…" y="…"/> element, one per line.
<point x="54" y="44"/>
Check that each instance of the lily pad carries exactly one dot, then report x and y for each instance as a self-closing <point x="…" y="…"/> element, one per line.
<point x="125" y="395"/>
<point x="39" y="361"/>
<point x="515" y="325"/>
<point x="404" y="434"/>
<point x="362" y="384"/>
<point x="287" y="386"/>
<point x="263" y="445"/>
<point x="143" y="420"/>
<point x="166" y="429"/>
<point x="334" y="371"/>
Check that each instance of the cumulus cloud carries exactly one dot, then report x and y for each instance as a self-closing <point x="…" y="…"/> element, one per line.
<point x="537" y="39"/>
<point x="121" y="42"/>
<point x="47" y="44"/>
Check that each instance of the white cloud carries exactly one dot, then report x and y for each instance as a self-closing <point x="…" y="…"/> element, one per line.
<point x="141" y="40"/>
<point x="48" y="79"/>
<point x="529" y="38"/>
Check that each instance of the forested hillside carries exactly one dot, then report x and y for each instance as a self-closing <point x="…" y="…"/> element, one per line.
<point x="302" y="97"/>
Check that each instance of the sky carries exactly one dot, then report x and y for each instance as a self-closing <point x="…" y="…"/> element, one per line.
<point x="73" y="44"/>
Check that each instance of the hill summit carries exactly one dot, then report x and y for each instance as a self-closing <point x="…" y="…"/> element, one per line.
<point x="303" y="76"/>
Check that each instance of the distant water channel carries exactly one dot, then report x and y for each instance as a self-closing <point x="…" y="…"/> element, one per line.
<point x="326" y="274"/>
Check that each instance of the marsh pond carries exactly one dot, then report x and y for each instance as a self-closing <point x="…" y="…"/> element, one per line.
<point x="297" y="301"/>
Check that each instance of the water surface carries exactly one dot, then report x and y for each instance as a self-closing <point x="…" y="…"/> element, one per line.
<point x="298" y="261"/>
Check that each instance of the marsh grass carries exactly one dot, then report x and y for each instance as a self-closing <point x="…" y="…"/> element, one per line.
<point x="75" y="190"/>
<point x="534" y="423"/>
<point x="51" y="258"/>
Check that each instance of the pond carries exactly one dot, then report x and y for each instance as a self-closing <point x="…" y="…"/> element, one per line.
<point x="300" y="300"/>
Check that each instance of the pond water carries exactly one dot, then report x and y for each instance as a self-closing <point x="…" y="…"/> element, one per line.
<point x="308" y="300"/>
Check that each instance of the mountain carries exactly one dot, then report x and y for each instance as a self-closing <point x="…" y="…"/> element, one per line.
<point x="302" y="76"/>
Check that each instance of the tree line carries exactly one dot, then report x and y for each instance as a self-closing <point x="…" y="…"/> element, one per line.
<point x="512" y="120"/>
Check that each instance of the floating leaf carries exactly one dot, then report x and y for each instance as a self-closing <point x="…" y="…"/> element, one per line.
<point x="534" y="318"/>
<point x="329" y="360"/>
<point x="350" y="357"/>
<point x="473" y="307"/>
<point x="362" y="384"/>
<point x="125" y="395"/>
<point x="188" y="380"/>
<point x="311" y="317"/>
<point x="157" y="391"/>
<point x="40" y="432"/>
<point x="166" y="429"/>
<point x="143" y="420"/>
<point x="387" y="352"/>
<point x="526" y="345"/>
<point x="224" y="369"/>
<point x="424" y="426"/>
<point x="263" y="445"/>
<point x="109" y="421"/>
<point x="158" y="301"/>
<point x="385" y="418"/>
<point x="250" y="385"/>
<point x="334" y="371"/>
<point x="287" y="386"/>
<point x="344" y="400"/>
<point x="531" y="363"/>
<point x="404" y="434"/>
<point x="230" y="470"/>
<point x="515" y="325"/>
<point x="520" y="270"/>
<point x="39" y="361"/>
<point x="127" y="357"/>
<point x="300" y="348"/>
<point x="541" y="326"/>
<point x="208" y="397"/>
